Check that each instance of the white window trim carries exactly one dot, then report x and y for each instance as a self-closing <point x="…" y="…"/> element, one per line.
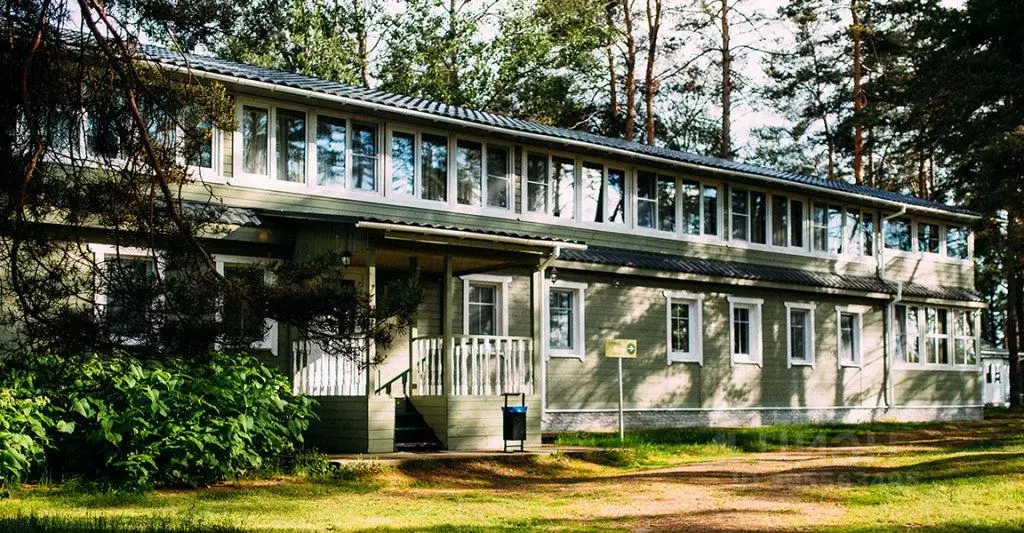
<point x="858" y="335"/>
<point x="579" y="351"/>
<point x="756" y="356"/>
<point x="100" y="251"/>
<point x="501" y="283"/>
<point x="808" y="334"/>
<point x="923" y="365"/>
<point x="269" y="341"/>
<point x="696" y="304"/>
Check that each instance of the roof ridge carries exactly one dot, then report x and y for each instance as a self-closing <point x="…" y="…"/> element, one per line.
<point x="517" y="124"/>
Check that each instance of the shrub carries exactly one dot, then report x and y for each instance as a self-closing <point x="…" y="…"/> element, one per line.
<point x="24" y="431"/>
<point x="133" y="425"/>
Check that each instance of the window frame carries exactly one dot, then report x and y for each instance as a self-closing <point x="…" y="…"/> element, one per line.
<point x="578" y="350"/>
<point x="756" y="355"/>
<point x="501" y="295"/>
<point x="922" y="363"/>
<point x="100" y="253"/>
<point x="695" y="301"/>
<point x="809" y="335"/>
<point x="858" y="312"/>
<point x="270" y="340"/>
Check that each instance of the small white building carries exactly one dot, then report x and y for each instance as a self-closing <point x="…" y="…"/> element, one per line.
<point x="995" y="364"/>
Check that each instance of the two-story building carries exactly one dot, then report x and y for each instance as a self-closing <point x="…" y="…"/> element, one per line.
<point x="755" y="296"/>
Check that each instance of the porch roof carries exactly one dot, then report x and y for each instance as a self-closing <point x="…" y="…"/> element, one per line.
<point x="752" y="272"/>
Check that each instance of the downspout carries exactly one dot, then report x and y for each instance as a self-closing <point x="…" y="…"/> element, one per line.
<point x="890" y="311"/>
<point x="541" y="350"/>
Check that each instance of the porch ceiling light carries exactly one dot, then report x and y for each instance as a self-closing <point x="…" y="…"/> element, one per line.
<point x="346" y="258"/>
<point x="553" y="275"/>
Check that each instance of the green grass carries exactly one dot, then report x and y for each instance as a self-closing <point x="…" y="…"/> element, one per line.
<point x="931" y="477"/>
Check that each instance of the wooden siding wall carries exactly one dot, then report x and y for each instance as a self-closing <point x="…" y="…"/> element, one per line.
<point x="475" y="422"/>
<point x="354" y="424"/>
<point x="636" y="310"/>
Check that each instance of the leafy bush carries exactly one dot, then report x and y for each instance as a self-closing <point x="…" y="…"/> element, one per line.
<point x="134" y="425"/>
<point x="24" y="429"/>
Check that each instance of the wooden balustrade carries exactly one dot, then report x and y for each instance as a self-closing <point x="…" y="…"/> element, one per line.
<point x="484" y="364"/>
<point x="320" y="374"/>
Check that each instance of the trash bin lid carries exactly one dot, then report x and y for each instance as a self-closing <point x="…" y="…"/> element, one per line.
<point x="514" y="409"/>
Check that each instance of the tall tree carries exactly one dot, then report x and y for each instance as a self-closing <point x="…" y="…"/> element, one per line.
<point x="651" y="83"/>
<point x="856" y="34"/>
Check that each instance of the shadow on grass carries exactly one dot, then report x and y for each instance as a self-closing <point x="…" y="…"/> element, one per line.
<point x="48" y="524"/>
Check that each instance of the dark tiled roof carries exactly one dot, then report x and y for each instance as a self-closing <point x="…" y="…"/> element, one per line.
<point x="349" y="219"/>
<point x="747" y="271"/>
<point x="221" y="214"/>
<point x="515" y="125"/>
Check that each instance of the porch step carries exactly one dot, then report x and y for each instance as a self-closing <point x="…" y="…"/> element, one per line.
<point x="412" y="433"/>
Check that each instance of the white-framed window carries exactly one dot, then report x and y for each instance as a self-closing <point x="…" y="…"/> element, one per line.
<point x="684" y="327"/>
<point x="800" y="334"/>
<point x="564" y="324"/>
<point x="550" y="185"/>
<point x="849" y="321"/>
<point x="603" y="193"/>
<point x="656" y="201"/>
<point x="121" y="296"/>
<point x="931" y="338"/>
<point x="927" y="238"/>
<point x="234" y="313"/>
<point x="485" y="304"/>
<point x="957" y="245"/>
<point x="898" y="235"/>
<point x="745" y="330"/>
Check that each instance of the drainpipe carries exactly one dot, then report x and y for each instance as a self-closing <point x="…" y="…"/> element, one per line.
<point x="890" y="312"/>
<point x="540" y="351"/>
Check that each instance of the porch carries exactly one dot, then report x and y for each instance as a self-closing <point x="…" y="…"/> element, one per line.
<point x="451" y="384"/>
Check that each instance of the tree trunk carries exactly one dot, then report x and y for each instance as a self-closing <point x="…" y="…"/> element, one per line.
<point x="650" y="84"/>
<point x="630" y="84"/>
<point x="858" y="96"/>
<point x="922" y="181"/>
<point x="613" y="82"/>
<point x="726" y="148"/>
<point x="364" y="49"/>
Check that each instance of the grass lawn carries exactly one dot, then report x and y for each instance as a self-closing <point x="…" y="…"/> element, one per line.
<point x="956" y="476"/>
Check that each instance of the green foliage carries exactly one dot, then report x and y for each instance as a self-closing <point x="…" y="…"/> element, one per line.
<point x="24" y="429"/>
<point x="47" y="524"/>
<point x="133" y="425"/>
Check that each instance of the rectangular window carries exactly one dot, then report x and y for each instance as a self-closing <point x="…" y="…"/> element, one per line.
<point x="691" y="207"/>
<point x="956" y="242"/>
<point x="849" y="337"/>
<point x="129" y="292"/>
<point x="331" y="141"/>
<point x="499" y="181"/>
<point x="897" y="234"/>
<point x="364" y="157"/>
<point x="255" y="139"/>
<point x="243" y="325"/>
<point x="835" y="230"/>
<point x="913" y="335"/>
<point x="593" y="192"/>
<point x="867" y="224"/>
<point x="203" y="157"/>
<point x="403" y="163"/>
<point x="684" y="328"/>
<point x="819" y="227"/>
<point x="647" y="199"/>
<point x="666" y="203"/>
<point x="616" y="196"/>
<point x="710" y="210"/>
<point x="965" y="341"/>
<point x="928" y="238"/>
<point x="900" y="334"/>
<point x="800" y="320"/>
<point x="563" y="187"/>
<point x="433" y="167"/>
<point x="936" y="347"/>
<point x="796" y="227"/>
<point x="290" y="134"/>
<point x="482" y="309"/>
<point x="780" y="220"/>
<point x="537" y="178"/>
<point x="469" y="168"/>
<point x="740" y="210"/>
<point x="745" y="330"/>
<point x="565" y="319"/>
<point x="852" y="234"/>
<point x="758" y="217"/>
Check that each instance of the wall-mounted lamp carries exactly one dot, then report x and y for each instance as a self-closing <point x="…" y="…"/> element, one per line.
<point x="616" y="283"/>
<point x="346" y="258"/>
<point x="553" y="275"/>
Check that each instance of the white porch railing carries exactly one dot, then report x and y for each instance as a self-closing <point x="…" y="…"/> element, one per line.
<point x="320" y="374"/>
<point x="483" y="365"/>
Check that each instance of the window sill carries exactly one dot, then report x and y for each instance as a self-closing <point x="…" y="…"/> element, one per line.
<point x="680" y="359"/>
<point x="851" y="365"/>
<point x="737" y="361"/>
<point x="565" y="355"/>
<point x="793" y="363"/>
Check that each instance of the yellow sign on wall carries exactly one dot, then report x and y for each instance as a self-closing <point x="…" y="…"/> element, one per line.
<point x="620" y="348"/>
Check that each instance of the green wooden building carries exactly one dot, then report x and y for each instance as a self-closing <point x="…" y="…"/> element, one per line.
<point x="755" y="296"/>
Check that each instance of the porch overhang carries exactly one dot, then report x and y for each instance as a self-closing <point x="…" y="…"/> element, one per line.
<point x="466" y="237"/>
